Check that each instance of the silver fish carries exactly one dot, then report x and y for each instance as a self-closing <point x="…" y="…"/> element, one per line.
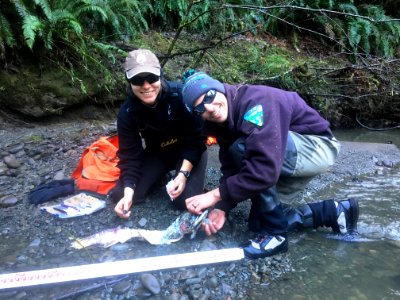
<point x="186" y="223"/>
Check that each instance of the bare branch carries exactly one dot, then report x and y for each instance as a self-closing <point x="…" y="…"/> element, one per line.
<point x="185" y="23"/>
<point x="320" y="10"/>
<point x="210" y="46"/>
<point x="300" y="28"/>
<point x="177" y="34"/>
<point x="375" y="129"/>
<point x="348" y="96"/>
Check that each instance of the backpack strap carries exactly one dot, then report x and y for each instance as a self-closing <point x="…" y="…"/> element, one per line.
<point x="175" y="89"/>
<point x="175" y="95"/>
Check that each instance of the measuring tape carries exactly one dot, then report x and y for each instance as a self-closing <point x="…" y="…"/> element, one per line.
<point x="64" y="274"/>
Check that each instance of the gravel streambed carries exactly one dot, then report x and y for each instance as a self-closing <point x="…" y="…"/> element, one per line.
<point x="33" y="240"/>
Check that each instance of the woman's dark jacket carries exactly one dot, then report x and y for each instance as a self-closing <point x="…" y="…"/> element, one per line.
<point x="263" y="116"/>
<point x="167" y="129"/>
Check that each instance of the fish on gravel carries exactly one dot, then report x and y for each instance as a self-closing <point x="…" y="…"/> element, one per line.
<point x="186" y="223"/>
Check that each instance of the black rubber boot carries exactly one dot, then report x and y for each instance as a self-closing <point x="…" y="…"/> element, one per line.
<point x="341" y="216"/>
<point x="266" y="213"/>
<point x="347" y="216"/>
<point x="298" y="218"/>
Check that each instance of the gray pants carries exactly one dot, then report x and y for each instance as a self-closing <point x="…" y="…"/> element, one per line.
<point x="306" y="157"/>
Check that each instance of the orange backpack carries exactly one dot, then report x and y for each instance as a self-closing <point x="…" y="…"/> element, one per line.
<point x="97" y="169"/>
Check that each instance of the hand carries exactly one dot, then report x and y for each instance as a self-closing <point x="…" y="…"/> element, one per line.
<point x="216" y="219"/>
<point x="122" y="209"/>
<point x="176" y="186"/>
<point x="197" y="204"/>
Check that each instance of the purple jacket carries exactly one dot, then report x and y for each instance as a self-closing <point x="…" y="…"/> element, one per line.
<point x="263" y="116"/>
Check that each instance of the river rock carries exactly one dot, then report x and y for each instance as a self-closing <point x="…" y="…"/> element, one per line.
<point x="15" y="148"/>
<point x="3" y="168"/>
<point x="122" y="287"/>
<point x="8" y="201"/>
<point x="175" y="296"/>
<point x="142" y="222"/>
<point x="12" y="162"/>
<point x="151" y="283"/>
<point x="59" y="175"/>
<point x="212" y="282"/>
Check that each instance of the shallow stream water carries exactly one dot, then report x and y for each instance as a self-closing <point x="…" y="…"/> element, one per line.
<point x="369" y="266"/>
<point x="366" y="268"/>
<point x="367" y="136"/>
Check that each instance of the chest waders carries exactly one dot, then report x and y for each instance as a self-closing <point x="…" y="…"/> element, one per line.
<point x="269" y="215"/>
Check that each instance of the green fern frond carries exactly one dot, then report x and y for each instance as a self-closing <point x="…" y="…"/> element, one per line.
<point x="385" y="36"/>
<point x="374" y="11"/>
<point x="48" y="39"/>
<point x="367" y="29"/>
<point x="133" y="11"/>
<point x="386" y="48"/>
<point x="44" y="5"/>
<point x="31" y="27"/>
<point x="354" y="35"/>
<point x="108" y="50"/>
<point x="6" y="35"/>
<point x="88" y="9"/>
<point x="348" y="8"/>
<point x="21" y="8"/>
<point x="63" y="18"/>
<point x="393" y="28"/>
<point x="376" y="36"/>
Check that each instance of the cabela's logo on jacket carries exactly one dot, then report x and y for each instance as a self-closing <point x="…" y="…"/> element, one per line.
<point x="168" y="143"/>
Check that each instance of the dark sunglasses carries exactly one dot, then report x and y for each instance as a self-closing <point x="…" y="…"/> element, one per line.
<point x="139" y="80"/>
<point x="208" y="98"/>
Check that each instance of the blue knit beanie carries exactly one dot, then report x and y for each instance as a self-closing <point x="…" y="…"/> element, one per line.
<point x="196" y="85"/>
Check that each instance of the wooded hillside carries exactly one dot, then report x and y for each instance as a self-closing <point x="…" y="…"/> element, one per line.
<point x="341" y="56"/>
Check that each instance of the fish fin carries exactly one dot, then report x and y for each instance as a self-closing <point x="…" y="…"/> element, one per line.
<point x="82" y="243"/>
<point x="109" y="244"/>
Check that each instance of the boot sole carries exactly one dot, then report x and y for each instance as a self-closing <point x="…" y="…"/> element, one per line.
<point x="280" y="249"/>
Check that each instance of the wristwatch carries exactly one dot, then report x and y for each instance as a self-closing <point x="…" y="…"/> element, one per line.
<point x="185" y="173"/>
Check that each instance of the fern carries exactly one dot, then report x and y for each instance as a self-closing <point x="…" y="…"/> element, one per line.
<point x="166" y="9"/>
<point x="44" y="5"/>
<point x="21" y="8"/>
<point x="357" y="33"/>
<point x="87" y="10"/>
<point x="374" y="37"/>
<point x="207" y="14"/>
<point x="348" y="8"/>
<point x="64" y="24"/>
<point x="354" y="34"/>
<point x="6" y="36"/>
<point x="108" y="50"/>
<point x="31" y="26"/>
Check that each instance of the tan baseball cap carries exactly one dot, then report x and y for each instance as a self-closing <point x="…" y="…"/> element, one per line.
<point x="141" y="61"/>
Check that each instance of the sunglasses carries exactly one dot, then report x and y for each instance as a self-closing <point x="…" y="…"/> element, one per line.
<point x="139" y="80"/>
<point x="208" y="98"/>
